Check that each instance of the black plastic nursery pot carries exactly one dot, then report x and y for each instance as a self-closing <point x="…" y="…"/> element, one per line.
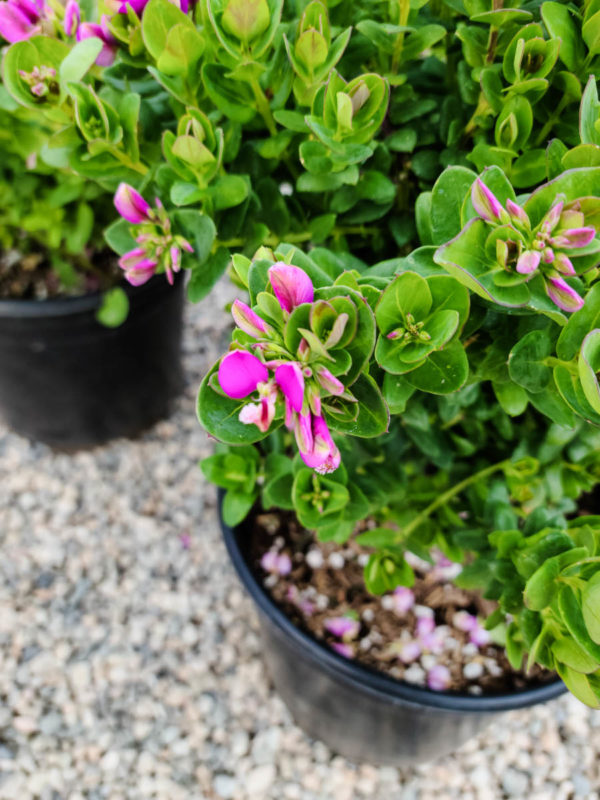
<point x="68" y="381"/>
<point x="362" y="714"/>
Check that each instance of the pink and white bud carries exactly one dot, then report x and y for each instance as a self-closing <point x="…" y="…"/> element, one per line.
<point x="528" y="262"/>
<point x="328" y="381"/>
<point x="550" y="221"/>
<point x="485" y="202"/>
<point x="72" y="17"/>
<point x="563" y="295"/>
<point x="573" y="238"/>
<point x="291" y="285"/>
<point x="131" y="205"/>
<point x="517" y="214"/>
<point x="248" y="320"/>
<point x="563" y="264"/>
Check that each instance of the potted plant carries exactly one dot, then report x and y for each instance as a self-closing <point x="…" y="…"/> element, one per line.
<point x="84" y="359"/>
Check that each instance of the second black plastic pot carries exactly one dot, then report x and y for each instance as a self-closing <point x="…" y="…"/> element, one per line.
<point x="70" y="382"/>
<point x="362" y="714"/>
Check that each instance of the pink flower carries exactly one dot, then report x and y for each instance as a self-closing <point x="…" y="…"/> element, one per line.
<point x="240" y="373"/>
<point x="404" y="599"/>
<point x="20" y="19"/>
<point x="439" y="678"/>
<point x="409" y="651"/>
<point x="342" y="627"/>
<point x="131" y="205"/>
<point x="276" y="563"/>
<point x="248" y="320"/>
<point x="528" y="262"/>
<point x="72" y="17"/>
<point x="485" y="203"/>
<point x="291" y="285"/>
<point x="88" y="30"/>
<point x="343" y="649"/>
<point x="260" y="414"/>
<point x="137" y="266"/>
<point x="563" y="295"/>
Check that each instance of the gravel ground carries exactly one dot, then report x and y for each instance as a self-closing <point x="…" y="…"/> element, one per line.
<point x="130" y="662"/>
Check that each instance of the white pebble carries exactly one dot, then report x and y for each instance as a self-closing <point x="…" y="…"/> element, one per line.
<point x="336" y="560"/>
<point x="422" y="611"/>
<point x="314" y="558"/>
<point x="473" y="670"/>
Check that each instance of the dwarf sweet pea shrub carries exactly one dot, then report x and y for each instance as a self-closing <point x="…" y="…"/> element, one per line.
<point x="268" y="121"/>
<point x="448" y="393"/>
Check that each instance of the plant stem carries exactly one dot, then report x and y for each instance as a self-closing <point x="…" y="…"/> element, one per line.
<point x="403" y="12"/>
<point x="448" y="495"/>
<point x="136" y="166"/>
<point x="263" y="107"/>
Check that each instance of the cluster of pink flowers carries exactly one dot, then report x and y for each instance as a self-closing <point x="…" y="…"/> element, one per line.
<point x="242" y="374"/>
<point x="158" y="246"/>
<point x="538" y="251"/>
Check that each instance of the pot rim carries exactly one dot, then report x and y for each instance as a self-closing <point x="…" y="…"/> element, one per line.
<point x="76" y="304"/>
<point x="370" y="679"/>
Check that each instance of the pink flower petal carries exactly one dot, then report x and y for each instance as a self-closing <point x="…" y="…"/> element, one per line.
<point x="260" y="414"/>
<point x="563" y="295"/>
<point x="404" y="599"/>
<point x="88" y="30"/>
<point x="291" y="285"/>
<point x="240" y="373"/>
<point x="517" y="213"/>
<point x="342" y="627"/>
<point x="131" y="205"/>
<point x="409" y="651"/>
<point x="137" y="266"/>
<point x="439" y="678"/>
<point x="15" y="24"/>
<point x="290" y="380"/>
<point x="343" y="649"/>
<point x="550" y="221"/>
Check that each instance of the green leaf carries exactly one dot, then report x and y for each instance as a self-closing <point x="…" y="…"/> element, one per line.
<point x="199" y="229"/>
<point x="559" y="22"/>
<point x="119" y="238"/>
<point x="465" y="259"/>
<point x="403" y="140"/>
<point x="114" y="308"/>
<point x="572" y="655"/>
<point x="542" y="586"/>
<point x="579" y="685"/>
<point x="589" y="113"/>
<point x="526" y="361"/>
<point x="550" y="403"/>
<point x="589" y="364"/>
<point x="511" y="397"/>
<point x="205" y="275"/>
<point x="397" y="392"/>
<point x="233" y="98"/>
<point x="378" y="538"/>
<point x="373" y="416"/>
<point x="408" y="293"/>
<point x="591" y="33"/>
<point x="159" y="17"/>
<point x="79" y="60"/>
<point x="316" y="496"/>
<point x="579" y="325"/>
<point x="590" y="607"/>
<point x="229" y="191"/>
<point x="237" y="506"/>
<point x="444" y="371"/>
<point x="573" y="183"/>
<point x="447" y="198"/>
<point x="572" y="616"/>
<point x="182" y="50"/>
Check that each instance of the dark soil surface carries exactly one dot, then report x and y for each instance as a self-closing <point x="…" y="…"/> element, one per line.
<point x="421" y="639"/>
<point x="31" y="276"/>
